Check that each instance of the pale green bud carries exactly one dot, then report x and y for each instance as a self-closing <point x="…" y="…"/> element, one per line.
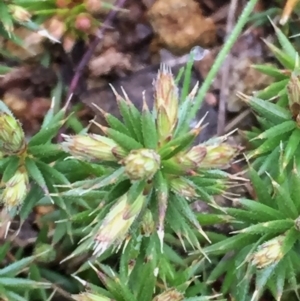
<point x="193" y="158"/>
<point x="141" y="164"/>
<point x="16" y="189"/>
<point x="183" y="187"/>
<point x="166" y="102"/>
<point x="44" y="252"/>
<point x="117" y="223"/>
<point x="268" y="253"/>
<point x="293" y="92"/>
<point x="148" y="224"/>
<point x="19" y="13"/>
<point x="169" y="295"/>
<point x="12" y="139"/>
<point x="90" y="297"/>
<point x="219" y="156"/>
<point x="92" y="147"/>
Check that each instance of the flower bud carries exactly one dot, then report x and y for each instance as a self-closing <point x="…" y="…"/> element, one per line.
<point x="93" y="6"/>
<point x="297" y="223"/>
<point x="64" y="3"/>
<point x="12" y="139"/>
<point x="90" y="297"/>
<point x="117" y="222"/>
<point x="141" y="164"/>
<point x="148" y="225"/>
<point x="84" y="22"/>
<point x="19" y="13"/>
<point x="92" y="147"/>
<point x="56" y="27"/>
<point x="219" y="155"/>
<point x="183" y="187"/>
<point x="47" y="251"/>
<point x="268" y="253"/>
<point x="166" y="102"/>
<point x="293" y="92"/>
<point x="15" y="190"/>
<point x="193" y="158"/>
<point x="169" y="295"/>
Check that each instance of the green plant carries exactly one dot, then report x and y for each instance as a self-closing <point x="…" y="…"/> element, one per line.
<point x="15" y="282"/>
<point x="262" y="251"/>
<point x="151" y="163"/>
<point x="142" y="283"/>
<point x="135" y="185"/>
<point x="264" y="243"/>
<point x="277" y="107"/>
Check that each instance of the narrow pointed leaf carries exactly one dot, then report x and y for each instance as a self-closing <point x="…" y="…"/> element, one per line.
<point x="279" y="129"/>
<point x="271" y="227"/>
<point x="285" y="42"/>
<point x="273" y="90"/>
<point x="125" y="112"/>
<point x="44" y="151"/>
<point x="260" y="189"/>
<point x="271" y="71"/>
<point x="35" y="173"/>
<point x="11" y="168"/>
<point x="291" y="147"/>
<point x="22" y="283"/>
<point x="260" y="209"/>
<point x="267" y="146"/>
<point x="123" y="140"/>
<point x="280" y="273"/>
<point x="45" y="134"/>
<point x="136" y="122"/>
<point x="231" y="243"/>
<point x="16" y="267"/>
<point x="295" y="187"/>
<point x="292" y="236"/>
<point x="147" y="282"/>
<point x="284" y="201"/>
<point x="262" y="276"/>
<point x="287" y="61"/>
<point x="269" y="110"/>
<point x="58" y="177"/>
<point x="135" y="190"/>
<point x="149" y="130"/>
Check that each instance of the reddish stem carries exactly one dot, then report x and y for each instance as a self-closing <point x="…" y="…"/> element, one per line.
<point x="87" y="56"/>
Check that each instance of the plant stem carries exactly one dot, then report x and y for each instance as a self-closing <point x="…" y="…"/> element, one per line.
<point x="220" y="58"/>
<point x="85" y="59"/>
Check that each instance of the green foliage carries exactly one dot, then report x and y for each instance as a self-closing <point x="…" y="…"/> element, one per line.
<point x="277" y="109"/>
<point x="133" y="186"/>
<point x="121" y="202"/>
<point x="15" y="283"/>
<point x="153" y="161"/>
<point x="138" y="280"/>
<point x="264" y="244"/>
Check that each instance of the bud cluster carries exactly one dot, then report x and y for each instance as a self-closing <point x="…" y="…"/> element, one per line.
<point x="152" y="151"/>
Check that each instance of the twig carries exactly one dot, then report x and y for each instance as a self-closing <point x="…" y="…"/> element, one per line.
<point x="87" y="56"/>
<point x="224" y="91"/>
<point x="220" y="59"/>
<point x="234" y="123"/>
